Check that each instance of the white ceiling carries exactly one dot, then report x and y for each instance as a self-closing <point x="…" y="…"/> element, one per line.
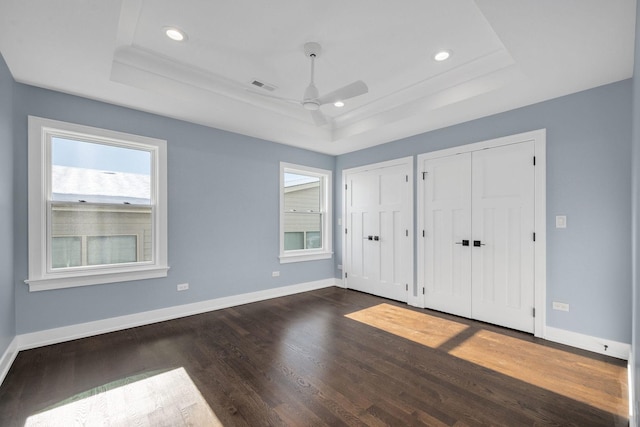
<point x="506" y="54"/>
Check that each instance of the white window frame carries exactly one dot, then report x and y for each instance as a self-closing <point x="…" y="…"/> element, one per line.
<point x="39" y="147"/>
<point x="326" y="252"/>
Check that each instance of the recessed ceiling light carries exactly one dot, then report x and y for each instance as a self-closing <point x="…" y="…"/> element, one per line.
<point x="175" y="34"/>
<point x="443" y="55"/>
<point x="339" y="104"/>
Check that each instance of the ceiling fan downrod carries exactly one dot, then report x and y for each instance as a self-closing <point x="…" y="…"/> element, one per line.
<point x="309" y="100"/>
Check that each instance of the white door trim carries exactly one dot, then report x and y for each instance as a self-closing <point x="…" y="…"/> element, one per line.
<point x="540" y="248"/>
<point x="403" y="161"/>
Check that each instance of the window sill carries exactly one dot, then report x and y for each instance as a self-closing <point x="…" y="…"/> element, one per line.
<point x="94" y="278"/>
<point x="288" y="258"/>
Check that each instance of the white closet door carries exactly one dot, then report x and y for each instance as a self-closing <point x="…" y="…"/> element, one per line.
<point x="447" y="225"/>
<point x="393" y="251"/>
<point x="502" y="243"/>
<point x="378" y="249"/>
<point x="361" y="262"/>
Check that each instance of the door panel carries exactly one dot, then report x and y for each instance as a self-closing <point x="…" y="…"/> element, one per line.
<point x="355" y="242"/>
<point x="503" y="221"/>
<point x="394" y="269"/>
<point x="447" y="221"/>
<point x="379" y="205"/>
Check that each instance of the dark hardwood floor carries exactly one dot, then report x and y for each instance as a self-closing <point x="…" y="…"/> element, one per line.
<point x="328" y="357"/>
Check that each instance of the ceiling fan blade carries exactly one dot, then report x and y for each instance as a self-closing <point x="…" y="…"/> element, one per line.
<point x="318" y="118"/>
<point x="349" y="91"/>
<point x="279" y="98"/>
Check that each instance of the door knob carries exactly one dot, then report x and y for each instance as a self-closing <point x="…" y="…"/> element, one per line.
<point x="376" y="238"/>
<point x="370" y="237"/>
<point x="477" y="243"/>
<point x="463" y="243"/>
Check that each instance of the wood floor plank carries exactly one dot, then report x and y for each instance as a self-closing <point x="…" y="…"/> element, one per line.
<point x="330" y="357"/>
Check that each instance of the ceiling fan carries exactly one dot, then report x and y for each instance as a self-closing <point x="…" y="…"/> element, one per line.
<point x="311" y="100"/>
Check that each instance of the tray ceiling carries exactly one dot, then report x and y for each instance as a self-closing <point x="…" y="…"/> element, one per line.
<point x="504" y="55"/>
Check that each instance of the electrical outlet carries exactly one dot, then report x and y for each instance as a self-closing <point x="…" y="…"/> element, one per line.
<point x="560" y="306"/>
<point x="183" y="287"/>
<point x="275" y="274"/>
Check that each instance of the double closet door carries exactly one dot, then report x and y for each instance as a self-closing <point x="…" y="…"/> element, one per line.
<point x="378" y="229"/>
<point x="477" y="249"/>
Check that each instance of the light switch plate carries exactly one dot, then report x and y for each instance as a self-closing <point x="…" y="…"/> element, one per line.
<point x="561" y="221"/>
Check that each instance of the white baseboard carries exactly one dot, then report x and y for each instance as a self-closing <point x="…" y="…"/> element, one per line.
<point x="82" y="330"/>
<point x="615" y="349"/>
<point x="7" y="359"/>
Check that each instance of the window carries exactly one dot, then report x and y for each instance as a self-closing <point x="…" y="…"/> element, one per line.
<point x="97" y="206"/>
<point x="305" y="213"/>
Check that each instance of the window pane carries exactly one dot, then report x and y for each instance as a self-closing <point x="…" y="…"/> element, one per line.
<point x="101" y="190"/>
<point x="66" y="252"/>
<point x="314" y="240"/>
<point x="293" y="240"/>
<point x="301" y="193"/>
<point x="87" y="219"/>
<point x="305" y="224"/>
<point x="99" y="173"/>
<point x="111" y="249"/>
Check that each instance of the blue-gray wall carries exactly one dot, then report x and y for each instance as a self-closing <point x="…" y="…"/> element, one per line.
<point x="223" y="215"/>
<point x="7" y="308"/>
<point x="588" y="179"/>
<point x="636" y="219"/>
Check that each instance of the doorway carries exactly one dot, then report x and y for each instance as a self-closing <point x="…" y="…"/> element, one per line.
<point x="481" y="231"/>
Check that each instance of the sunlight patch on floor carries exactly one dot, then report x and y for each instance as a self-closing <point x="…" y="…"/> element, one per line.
<point x="418" y="327"/>
<point x="594" y="382"/>
<point x="590" y="381"/>
<point x="168" y="398"/>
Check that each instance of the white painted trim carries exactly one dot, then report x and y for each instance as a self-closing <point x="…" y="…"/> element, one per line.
<point x="326" y="176"/>
<point x="403" y="161"/>
<point x="615" y="349"/>
<point x="540" y="226"/>
<point x="540" y="248"/>
<point x="631" y="377"/>
<point x="373" y="166"/>
<point x="82" y="330"/>
<point x="41" y="276"/>
<point x="7" y="358"/>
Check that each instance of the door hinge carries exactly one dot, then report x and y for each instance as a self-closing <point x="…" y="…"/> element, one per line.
<point x="345" y="186"/>
<point x="422" y="233"/>
<point x="346" y="275"/>
<point x="423" y="175"/>
<point x="534" y="311"/>
<point x="406" y="178"/>
<point x="345" y="231"/>
<point x="406" y="233"/>
<point x="422" y="291"/>
<point x="534" y="237"/>
<point x="406" y="287"/>
<point x="534" y="160"/>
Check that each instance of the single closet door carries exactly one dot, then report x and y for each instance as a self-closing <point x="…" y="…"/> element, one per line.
<point x="378" y="249"/>
<point x="478" y="250"/>
<point x="502" y="228"/>
<point x="447" y="228"/>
